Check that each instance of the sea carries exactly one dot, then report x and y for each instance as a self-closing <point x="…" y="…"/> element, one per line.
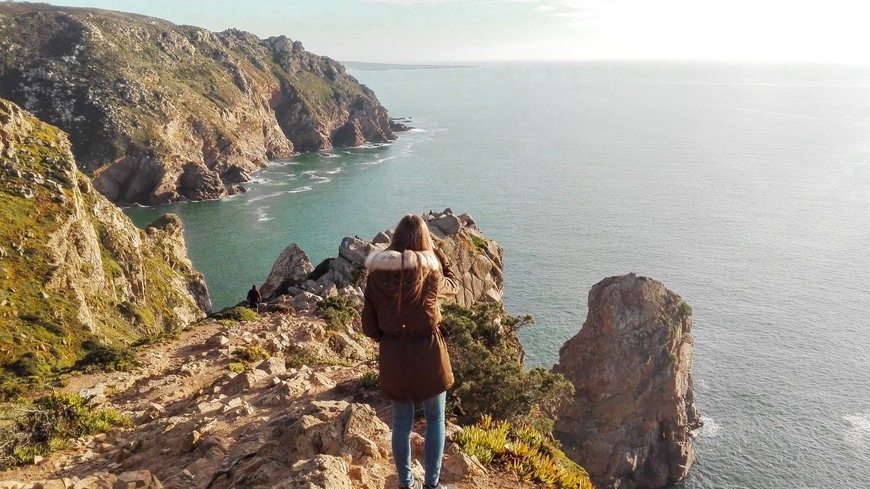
<point x="744" y="188"/>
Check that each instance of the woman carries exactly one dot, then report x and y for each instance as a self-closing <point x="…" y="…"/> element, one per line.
<point x="401" y="313"/>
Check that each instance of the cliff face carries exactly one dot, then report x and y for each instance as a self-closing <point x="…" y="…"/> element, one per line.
<point x="633" y="409"/>
<point x="73" y="267"/>
<point x="159" y="112"/>
<point x="476" y="261"/>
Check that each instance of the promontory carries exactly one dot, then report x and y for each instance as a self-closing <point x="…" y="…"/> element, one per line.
<point x="159" y="112"/>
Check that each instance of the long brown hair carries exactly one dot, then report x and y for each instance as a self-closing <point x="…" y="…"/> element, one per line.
<point x="412" y="234"/>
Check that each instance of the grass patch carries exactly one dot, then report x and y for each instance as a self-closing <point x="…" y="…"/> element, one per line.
<point x="478" y="242"/>
<point x="27" y="365"/>
<point x="48" y="424"/>
<point x="250" y="354"/>
<point x="237" y="314"/>
<point x="299" y="356"/>
<point x="161" y="337"/>
<point x="529" y="453"/>
<point x="107" y="358"/>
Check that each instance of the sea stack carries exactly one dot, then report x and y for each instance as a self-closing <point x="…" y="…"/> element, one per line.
<point x="633" y="410"/>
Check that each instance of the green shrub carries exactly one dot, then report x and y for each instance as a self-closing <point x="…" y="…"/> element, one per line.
<point x="27" y="365"/>
<point x="486" y="356"/>
<point x="338" y="312"/>
<point x="10" y="389"/>
<point x="299" y="356"/>
<point x="532" y="455"/>
<point x="250" y="354"/>
<point x="238" y="314"/>
<point x="279" y="308"/>
<point x="107" y="358"/>
<point x="370" y="381"/>
<point x="478" y="242"/>
<point x="236" y="367"/>
<point x="49" y="424"/>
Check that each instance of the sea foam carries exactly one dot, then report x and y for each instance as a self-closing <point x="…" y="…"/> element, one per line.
<point x="858" y="432"/>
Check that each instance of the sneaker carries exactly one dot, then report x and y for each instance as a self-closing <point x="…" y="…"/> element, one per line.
<point x="438" y="485"/>
<point x="415" y="484"/>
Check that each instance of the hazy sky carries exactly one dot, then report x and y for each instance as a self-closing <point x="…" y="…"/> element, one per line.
<point x="449" y="31"/>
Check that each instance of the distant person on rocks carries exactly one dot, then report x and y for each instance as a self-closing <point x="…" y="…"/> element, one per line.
<point x="401" y="312"/>
<point x="254" y="298"/>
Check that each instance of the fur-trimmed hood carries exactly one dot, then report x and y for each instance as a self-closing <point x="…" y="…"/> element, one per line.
<point x="389" y="260"/>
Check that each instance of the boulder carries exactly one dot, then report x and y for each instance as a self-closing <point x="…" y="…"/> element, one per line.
<point x="633" y="411"/>
<point x="291" y="267"/>
<point x="273" y="366"/>
<point x="320" y="472"/>
<point x="335" y="428"/>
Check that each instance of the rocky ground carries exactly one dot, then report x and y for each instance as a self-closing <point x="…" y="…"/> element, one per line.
<point x="198" y="425"/>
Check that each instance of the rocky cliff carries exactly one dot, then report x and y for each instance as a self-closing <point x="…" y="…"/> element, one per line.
<point x="73" y="267"/>
<point x="633" y="409"/>
<point x="476" y="261"/>
<point x="159" y="112"/>
<point x="285" y="400"/>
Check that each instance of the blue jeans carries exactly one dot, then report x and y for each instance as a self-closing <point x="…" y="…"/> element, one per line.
<point x="403" y="418"/>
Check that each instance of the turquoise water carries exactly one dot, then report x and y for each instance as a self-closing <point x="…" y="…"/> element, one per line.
<point x="743" y="188"/>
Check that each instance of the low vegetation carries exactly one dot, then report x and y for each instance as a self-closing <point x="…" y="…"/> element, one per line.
<point x="531" y="454"/>
<point x="370" y="381"/>
<point x="250" y="354"/>
<point x="338" y="312"/>
<point x="50" y="423"/>
<point x="486" y="356"/>
<point x="237" y="314"/>
<point x="508" y="411"/>
<point x="106" y="358"/>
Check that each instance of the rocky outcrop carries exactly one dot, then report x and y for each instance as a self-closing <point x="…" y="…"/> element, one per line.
<point x="291" y="268"/>
<point x="73" y="264"/>
<point x="159" y="112"/>
<point x="476" y="261"/>
<point x="633" y="410"/>
<point x="300" y="418"/>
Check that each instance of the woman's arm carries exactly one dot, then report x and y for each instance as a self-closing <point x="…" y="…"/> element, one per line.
<point x="449" y="285"/>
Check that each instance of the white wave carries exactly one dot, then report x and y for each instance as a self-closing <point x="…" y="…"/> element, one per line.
<point x="283" y="163"/>
<point x="711" y="428"/>
<point x="858" y="433"/>
<point x="299" y="189"/>
<point x="261" y="197"/>
<point x="333" y="172"/>
<point x="261" y="181"/>
<point x="262" y="215"/>
<point x="314" y="177"/>
<point x="374" y="145"/>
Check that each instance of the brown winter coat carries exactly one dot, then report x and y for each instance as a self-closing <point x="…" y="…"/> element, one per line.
<point x="413" y="359"/>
